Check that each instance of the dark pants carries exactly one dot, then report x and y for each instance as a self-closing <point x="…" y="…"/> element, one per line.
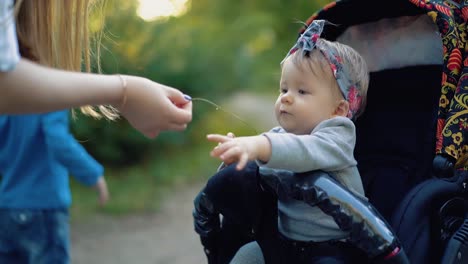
<point x="248" y="212"/>
<point x="329" y="252"/>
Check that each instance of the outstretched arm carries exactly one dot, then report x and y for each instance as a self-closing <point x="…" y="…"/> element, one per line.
<point x="329" y="147"/>
<point x="150" y="107"/>
<point x="31" y="87"/>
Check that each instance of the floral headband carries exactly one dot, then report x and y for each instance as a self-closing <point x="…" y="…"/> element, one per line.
<point x="308" y="41"/>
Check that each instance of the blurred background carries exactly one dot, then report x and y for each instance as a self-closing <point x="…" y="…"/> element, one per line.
<point x="227" y="52"/>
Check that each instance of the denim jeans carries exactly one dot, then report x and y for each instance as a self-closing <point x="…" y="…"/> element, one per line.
<point x="34" y="236"/>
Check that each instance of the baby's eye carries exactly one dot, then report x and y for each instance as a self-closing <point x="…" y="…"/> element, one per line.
<point x="283" y="90"/>
<point x="301" y="91"/>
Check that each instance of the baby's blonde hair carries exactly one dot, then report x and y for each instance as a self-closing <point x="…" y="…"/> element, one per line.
<point x="55" y="33"/>
<point x="353" y="62"/>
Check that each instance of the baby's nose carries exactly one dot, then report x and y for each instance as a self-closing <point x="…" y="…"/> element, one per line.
<point x="286" y="98"/>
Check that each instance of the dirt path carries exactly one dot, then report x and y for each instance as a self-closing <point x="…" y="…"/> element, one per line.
<point x="163" y="238"/>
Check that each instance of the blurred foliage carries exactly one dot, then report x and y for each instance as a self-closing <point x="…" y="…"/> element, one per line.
<point x="215" y="49"/>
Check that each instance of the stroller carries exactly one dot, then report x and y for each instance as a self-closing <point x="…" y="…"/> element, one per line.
<point x="411" y="142"/>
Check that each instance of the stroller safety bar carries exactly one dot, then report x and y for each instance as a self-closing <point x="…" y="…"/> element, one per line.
<point x="368" y="230"/>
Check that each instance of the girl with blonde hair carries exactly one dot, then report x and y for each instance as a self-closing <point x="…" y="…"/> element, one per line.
<point x="43" y="47"/>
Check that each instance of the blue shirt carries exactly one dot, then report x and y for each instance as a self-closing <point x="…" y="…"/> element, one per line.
<point x="37" y="155"/>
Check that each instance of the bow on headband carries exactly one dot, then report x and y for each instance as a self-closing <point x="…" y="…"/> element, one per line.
<point x="307" y="42"/>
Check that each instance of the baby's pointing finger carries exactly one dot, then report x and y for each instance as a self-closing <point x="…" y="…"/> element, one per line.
<point x="217" y="138"/>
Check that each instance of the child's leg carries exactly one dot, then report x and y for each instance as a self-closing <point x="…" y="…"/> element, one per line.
<point x="237" y="196"/>
<point x="53" y="237"/>
<point x="288" y="251"/>
<point x="34" y="236"/>
<point x="338" y="253"/>
<point x="327" y="252"/>
<point x="58" y="247"/>
<point x="8" y="251"/>
<point x="250" y="253"/>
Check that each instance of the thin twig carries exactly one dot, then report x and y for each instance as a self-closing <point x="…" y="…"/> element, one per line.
<point x="220" y="108"/>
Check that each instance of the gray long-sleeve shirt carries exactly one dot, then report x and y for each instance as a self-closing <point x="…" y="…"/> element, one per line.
<point x="328" y="147"/>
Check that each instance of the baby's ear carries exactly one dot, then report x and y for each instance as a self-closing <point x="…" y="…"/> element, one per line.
<point x="342" y="108"/>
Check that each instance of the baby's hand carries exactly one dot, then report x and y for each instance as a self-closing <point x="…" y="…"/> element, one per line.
<point x="229" y="135"/>
<point x="101" y="187"/>
<point x="240" y="150"/>
<point x="223" y="165"/>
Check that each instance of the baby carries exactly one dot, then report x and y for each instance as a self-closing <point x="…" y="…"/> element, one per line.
<point x="323" y="88"/>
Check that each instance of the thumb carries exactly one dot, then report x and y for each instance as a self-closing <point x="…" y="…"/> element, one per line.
<point x="177" y="97"/>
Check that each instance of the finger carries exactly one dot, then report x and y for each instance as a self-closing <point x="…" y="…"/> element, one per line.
<point x="233" y="153"/>
<point x="177" y="112"/>
<point x="218" y="151"/>
<point x="186" y="105"/>
<point x="151" y="133"/>
<point x="176" y="127"/>
<point x="106" y="194"/>
<point x="242" y="161"/>
<point x="229" y="135"/>
<point x="181" y="115"/>
<point x="176" y="96"/>
<point x="217" y="138"/>
<point x="103" y="198"/>
<point x="226" y="163"/>
<point x="221" y="150"/>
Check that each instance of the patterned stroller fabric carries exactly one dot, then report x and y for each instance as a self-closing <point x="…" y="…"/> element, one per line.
<point x="452" y="125"/>
<point x="450" y="16"/>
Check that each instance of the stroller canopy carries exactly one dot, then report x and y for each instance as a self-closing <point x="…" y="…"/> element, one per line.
<point x="432" y="32"/>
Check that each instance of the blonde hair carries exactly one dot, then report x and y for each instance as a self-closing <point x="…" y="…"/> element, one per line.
<point x="55" y="33"/>
<point x="354" y="63"/>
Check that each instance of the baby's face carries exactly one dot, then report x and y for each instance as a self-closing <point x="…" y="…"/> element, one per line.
<point x="305" y="99"/>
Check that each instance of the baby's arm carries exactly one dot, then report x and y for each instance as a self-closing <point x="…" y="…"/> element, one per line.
<point x="330" y="147"/>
